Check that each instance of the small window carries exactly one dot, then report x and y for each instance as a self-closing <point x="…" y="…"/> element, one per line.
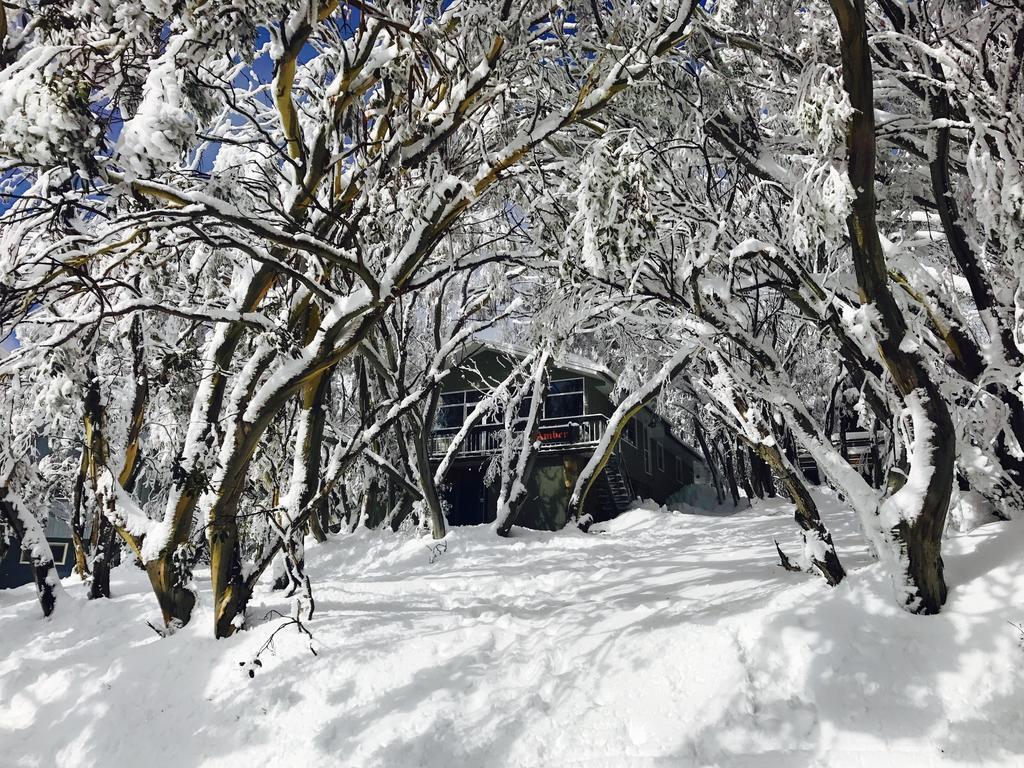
<point x="450" y="415"/>
<point x="629" y="433"/>
<point x="524" y="407"/>
<point x="472" y="398"/>
<point x="60" y="554"/>
<point x="680" y="471"/>
<point x="659" y="453"/>
<point x="565" y="399"/>
<point x="645" y="447"/>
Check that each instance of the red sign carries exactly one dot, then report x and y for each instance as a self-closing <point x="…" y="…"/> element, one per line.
<point x="553" y="435"/>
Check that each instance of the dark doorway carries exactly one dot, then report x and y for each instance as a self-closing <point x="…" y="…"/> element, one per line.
<point x="466" y="495"/>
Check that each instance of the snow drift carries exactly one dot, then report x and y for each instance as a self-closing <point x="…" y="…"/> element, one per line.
<point x="665" y="639"/>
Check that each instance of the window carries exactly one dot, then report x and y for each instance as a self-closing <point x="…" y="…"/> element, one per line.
<point x="629" y="433"/>
<point x="680" y="469"/>
<point x="452" y="411"/>
<point x="564" y="400"/>
<point x="454" y="408"/>
<point x="60" y="554"/>
<point x="659" y="454"/>
<point x="524" y="407"/>
<point x="645" y="446"/>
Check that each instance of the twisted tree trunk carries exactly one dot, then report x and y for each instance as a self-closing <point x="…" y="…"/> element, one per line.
<point x="513" y="476"/>
<point x="819" y="550"/>
<point x="102" y="537"/>
<point x="33" y="542"/>
<point x="630" y="406"/>
<point x="916" y="514"/>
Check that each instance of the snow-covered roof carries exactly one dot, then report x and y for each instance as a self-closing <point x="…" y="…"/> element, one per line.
<point x="569" y="361"/>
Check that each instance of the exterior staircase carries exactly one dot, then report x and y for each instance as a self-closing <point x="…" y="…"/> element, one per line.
<point x="613" y="490"/>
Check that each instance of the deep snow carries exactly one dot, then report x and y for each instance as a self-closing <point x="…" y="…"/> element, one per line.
<point x="669" y="639"/>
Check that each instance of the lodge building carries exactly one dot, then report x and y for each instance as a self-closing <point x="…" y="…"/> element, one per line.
<point x="649" y="461"/>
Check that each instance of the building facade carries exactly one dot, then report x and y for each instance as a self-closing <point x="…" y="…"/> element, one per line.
<point x="649" y="461"/>
<point x="15" y="568"/>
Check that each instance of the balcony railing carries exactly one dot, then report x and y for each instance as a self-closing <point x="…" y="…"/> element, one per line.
<point x="857" y="450"/>
<point x="553" y="435"/>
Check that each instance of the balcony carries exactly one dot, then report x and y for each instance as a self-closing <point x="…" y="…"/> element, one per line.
<point x="857" y="451"/>
<point x="553" y="434"/>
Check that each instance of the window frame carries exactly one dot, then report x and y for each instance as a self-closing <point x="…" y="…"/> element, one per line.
<point x="464" y="403"/>
<point x="644" y="438"/>
<point x="582" y="392"/>
<point x="24" y="559"/>
<point x="659" y="456"/>
<point x="680" y="474"/>
<point x="629" y="432"/>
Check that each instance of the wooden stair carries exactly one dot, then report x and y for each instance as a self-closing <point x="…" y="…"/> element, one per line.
<point x="614" y="492"/>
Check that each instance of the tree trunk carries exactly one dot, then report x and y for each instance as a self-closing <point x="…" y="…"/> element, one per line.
<point x="626" y="410"/>
<point x="765" y="476"/>
<point x="32" y="539"/>
<point x="513" y="480"/>
<point x="103" y="538"/>
<point x="708" y="458"/>
<point x="919" y="517"/>
<point x="725" y="457"/>
<point x="819" y="550"/>
<point x="755" y="477"/>
<point x="104" y="552"/>
<point x="229" y="588"/>
<point x="230" y="594"/>
<point x="78" y="538"/>
<point x="425" y="475"/>
<point x="306" y="472"/>
<point x="744" y="476"/>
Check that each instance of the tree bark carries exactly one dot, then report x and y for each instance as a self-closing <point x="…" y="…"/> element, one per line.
<point x="78" y="537"/>
<point x="698" y="430"/>
<point x="626" y="410"/>
<point x="425" y="475"/>
<point x="818" y="547"/>
<point x="32" y="539"/>
<point x="764" y="472"/>
<point x="513" y="480"/>
<point x="309" y="446"/>
<point x="744" y="476"/>
<point x="725" y="457"/>
<point x="920" y="518"/>
<point x="102" y="538"/>
<point x="755" y="477"/>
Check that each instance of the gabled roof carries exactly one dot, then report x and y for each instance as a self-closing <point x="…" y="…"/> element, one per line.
<point x="568" y="361"/>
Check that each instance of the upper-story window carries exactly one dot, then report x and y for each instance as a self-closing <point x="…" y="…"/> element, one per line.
<point x="629" y="432"/>
<point x="454" y="408"/>
<point x="565" y="399"/>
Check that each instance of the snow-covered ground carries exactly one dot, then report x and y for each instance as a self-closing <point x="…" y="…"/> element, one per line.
<point x="669" y="639"/>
